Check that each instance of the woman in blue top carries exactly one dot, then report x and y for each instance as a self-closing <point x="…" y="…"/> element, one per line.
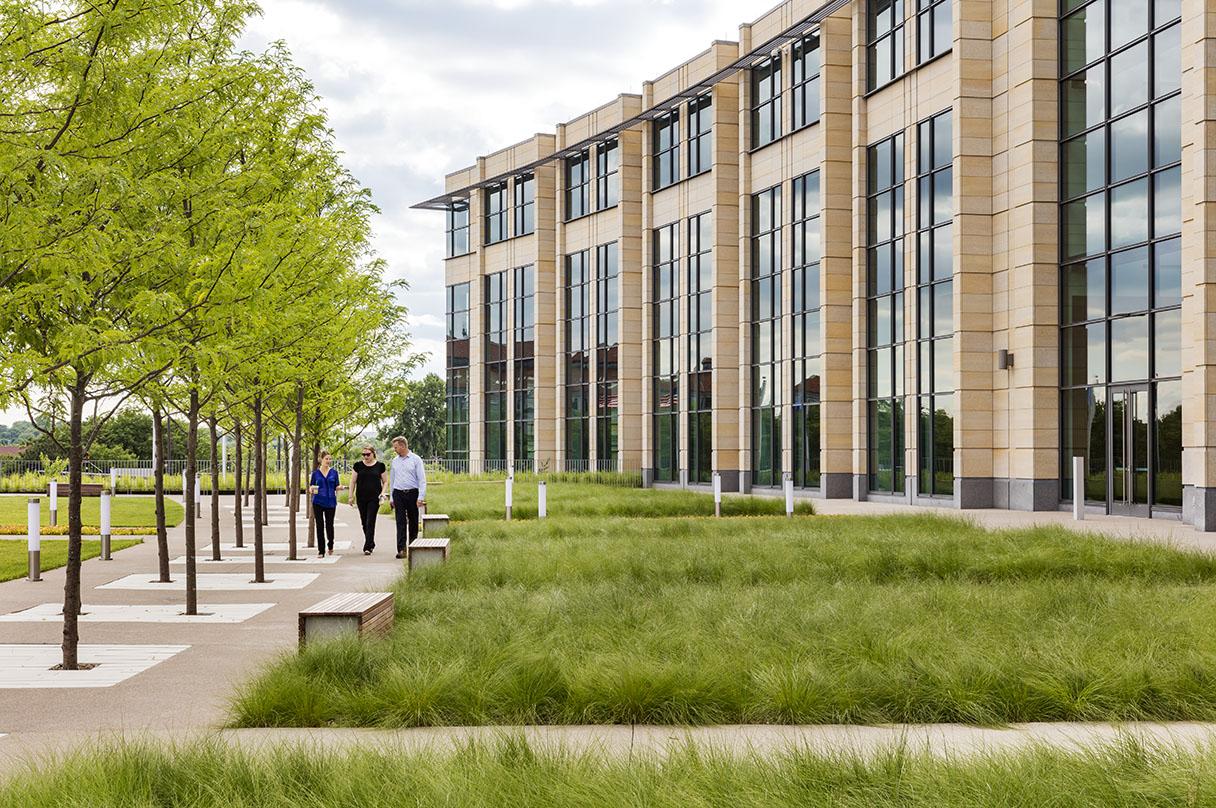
<point x="324" y="488"/>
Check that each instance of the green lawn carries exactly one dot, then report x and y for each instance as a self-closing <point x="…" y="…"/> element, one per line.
<point x="465" y="501"/>
<point x="124" y="511"/>
<point x="14" y="555"/>
<point x="769" y="620"/>
<point x="510" y="773"/>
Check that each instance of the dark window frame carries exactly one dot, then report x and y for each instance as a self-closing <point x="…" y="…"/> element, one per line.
<point x="807" y="65"/>
<point x="806" y="307"/>
<point x="665" y="248"/>
<point x="928" y="12"/>
<point x="525" y="204"/>
<point x="699" y="316"/>
<point x="765" y="319"/>
<point x="577" y="174"/>
<point x="607" y="355"/>
<point x="608" y="174"/>
<point x="523" y="383"/>
<point x="456" y="230"/>
<point x="884" y="35"/>
<point x="494" y="216"/>
<point x="577" y="283"/>
<point x="766" y="106"/>
<point x="700" y="135"/>
<point x="665" y="142"/>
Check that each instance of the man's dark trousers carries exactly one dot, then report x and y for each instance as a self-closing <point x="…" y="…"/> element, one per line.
<point x="405" y="507"/>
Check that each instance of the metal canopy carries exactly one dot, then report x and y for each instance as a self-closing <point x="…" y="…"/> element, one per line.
<point x="791" y="34"/>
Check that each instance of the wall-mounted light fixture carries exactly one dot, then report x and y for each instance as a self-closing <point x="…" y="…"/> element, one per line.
<point x="1004" y="359"/>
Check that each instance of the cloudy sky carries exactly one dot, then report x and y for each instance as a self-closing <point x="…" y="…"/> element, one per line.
<point x="419" y="88"/>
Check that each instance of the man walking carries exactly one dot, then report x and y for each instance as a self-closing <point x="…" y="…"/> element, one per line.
<point x="408" y="481"/>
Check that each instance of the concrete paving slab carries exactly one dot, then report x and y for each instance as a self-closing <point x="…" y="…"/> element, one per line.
<point x="123" y="613"/>
<point x="247" y="560"/>
<point x="29" y="666"/>
<point x="278" y="546"/>
<point x="215" y="581"/>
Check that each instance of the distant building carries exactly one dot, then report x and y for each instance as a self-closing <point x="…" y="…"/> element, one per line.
<point x="918" y="252"/>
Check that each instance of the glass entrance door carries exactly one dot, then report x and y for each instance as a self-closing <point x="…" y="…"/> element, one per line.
<point x="1128" y="491"/>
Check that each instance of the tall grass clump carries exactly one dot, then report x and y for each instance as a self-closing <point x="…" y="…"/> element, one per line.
<point x="769" y="620"/>
<point x="509" y="771"/>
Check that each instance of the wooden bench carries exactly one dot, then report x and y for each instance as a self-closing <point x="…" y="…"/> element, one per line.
<point x="86" y="490"/>
<point x="435" y="525"/>
<point x="427" y="553"/>
<point x="353" y="613"/>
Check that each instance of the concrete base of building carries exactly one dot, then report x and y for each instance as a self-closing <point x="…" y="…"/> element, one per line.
<point x="731" y="480"/>
<point x="648" y="478"/>
<point x="745" y="482"/>
<point x="1199" y="507"/>
<point x="836" y="485"/>
<point x="974" y="492"/>
<point x="1026" y="495"/>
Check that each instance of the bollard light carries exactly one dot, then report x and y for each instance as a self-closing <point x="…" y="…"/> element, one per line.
<point x="183" y="488"/>
<point x="34" y="535"/>
<point x="717" y="494"/>
<point x="198" y="496"/>
<point x="510" y="493"/>
<point x="542" y="500"/>
<point x="105" y="526"/>
<point x="54" y="502"/>
<point x="789" y="494"/>
<point x="114" y="479"/>
<point x="1078" y="489"/>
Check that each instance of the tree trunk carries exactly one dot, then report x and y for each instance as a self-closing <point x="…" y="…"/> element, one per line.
<point x="71" y="586"/>
<point x="191" y="526"/>
<point x="259" y="508"/>
<point x="158" y="476"/>
<point x="215" y="488"/>
<point x="293" y="486"/>
<point x="239" y="525"/>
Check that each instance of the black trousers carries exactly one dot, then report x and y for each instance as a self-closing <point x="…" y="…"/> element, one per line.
<point x="368" y="508"/>
<point x="405" y="508"/>
<point x="324" y="517"/>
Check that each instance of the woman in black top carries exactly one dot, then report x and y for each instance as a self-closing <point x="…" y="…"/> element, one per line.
<point x="371" y="481"/>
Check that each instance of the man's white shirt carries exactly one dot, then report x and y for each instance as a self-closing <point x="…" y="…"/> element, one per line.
<point x="408" y="472"/>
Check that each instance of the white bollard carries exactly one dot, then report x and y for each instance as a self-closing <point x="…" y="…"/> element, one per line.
<point x="198" y="496"/>
<point x="542" y="500"/>
<point x="224" y="455"/>
<point x="105" y="526"/>
<point x="114" y="479"/>
<point x="1078" y="489"/>
<point x="54" y="502"/>
<point x="510" y="493"/>
<point x="717" y="494"/>
<point x="789" y="494"/>
<point x="34" y="535"/>
<point x="183" y="488"/>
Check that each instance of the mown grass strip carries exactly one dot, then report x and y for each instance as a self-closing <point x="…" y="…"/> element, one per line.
<point x="14" y="555"/>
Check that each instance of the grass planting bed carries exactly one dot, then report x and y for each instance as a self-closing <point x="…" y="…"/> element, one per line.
<point x="14" y="556"/>
<point x="509" y="772"/>
<point x="579" y="620"/>
<point x="125" y="511"/>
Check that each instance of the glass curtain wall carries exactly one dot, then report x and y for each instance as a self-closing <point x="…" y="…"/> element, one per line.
<point x="700" y="348"/>
<point x="525" y="205"/>
<point x="935" y="307"/>
<point x="666" y="328"/>
<point x="456" y="229"/>
<point x="806" y="66"/>
<point x="524" y="388"/>
<point x="885" y="314"/>
<point x="458" y="376"/>
<point x="607" y="340"/>
<point x="578" y="360"/>
<point x="1121" y="268"/>
<point x="700" y="135"/>
<point x="495" y="308"/>
<point x="885" y="48"/>
<point x="766" y="101"/>
<point x="808" y="345"/>
<point x="766" y="337"/>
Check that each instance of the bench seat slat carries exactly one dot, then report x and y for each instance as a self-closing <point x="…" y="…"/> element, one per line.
<point x="350" y="603"/>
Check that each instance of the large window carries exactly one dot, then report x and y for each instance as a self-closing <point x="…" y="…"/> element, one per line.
<point x="667" y="150"/>
<point x="524" y="387"/>
<point x="934" y="29"/>
<point x="578" y="185"/>
<point x="578" y="361"/>
<point x="496" y="213"/>
<point x="457" y="229"/>
<point x="666" y="352"/>
<point x="808" y="344"/>
<point x="885" y="314"/>
<point x="700" y="347"/>
<point x="607" y="174"/>
<point x="1120" y="275"/>
<point x="458" y="376"/>
<point x="525" y="205"/>
<point x="607" y="340"/>
<point x="935" y="306"/>
<point x="496" y="370"/>
<point x="766" y="338"/>
<point x="766" y="101"/>
<point x="885" y="47"/>
<point x="806" y="81"/>
<point x="700" y="138"/>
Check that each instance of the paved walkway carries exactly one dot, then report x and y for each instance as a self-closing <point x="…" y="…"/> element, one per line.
<point x="190" y="690"/>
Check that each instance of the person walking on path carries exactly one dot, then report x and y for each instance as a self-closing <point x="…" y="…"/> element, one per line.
<point x="409" y="491"/>
<point x="324" y="487"/>
<point x="369" y="490"/>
